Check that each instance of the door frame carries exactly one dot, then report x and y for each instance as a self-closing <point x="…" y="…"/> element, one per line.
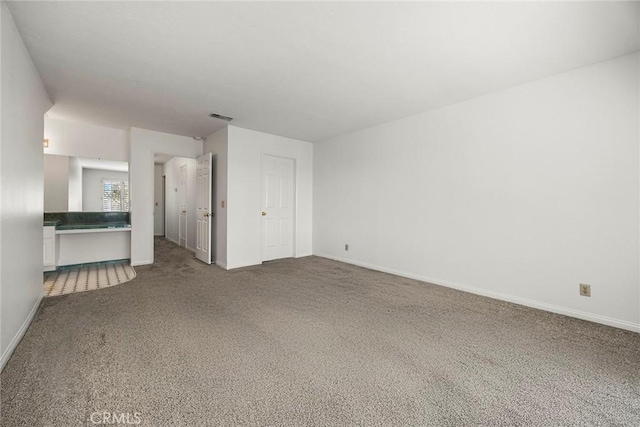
<point x="151" y="154"/>
<point x="205" y="159"/>
<point x="294" y="195"/>
<point x="183" y="192"/>
<point x="164" y="204"/>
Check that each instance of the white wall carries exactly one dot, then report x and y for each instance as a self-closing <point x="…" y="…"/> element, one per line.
<point x="217" y="144"/>
<point x="172" y="171"/>
<point x="245" y="149"/>
<point x="85" y="140"/>
<point x="24" y="102"/>
<point x="92" y="187"/>
<point x="144" y="144"/>
<point x="56" y="183"/>
<point x="158" y="199"/>
<point x="75" y="185"/>
<point x="521" y="194"/>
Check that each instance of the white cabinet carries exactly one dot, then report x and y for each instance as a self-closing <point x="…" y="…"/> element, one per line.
<point x="83" y="246"/>
<point x="49" y="248"/>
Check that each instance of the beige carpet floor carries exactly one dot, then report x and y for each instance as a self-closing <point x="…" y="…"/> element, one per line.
<point x="311" y="342"/>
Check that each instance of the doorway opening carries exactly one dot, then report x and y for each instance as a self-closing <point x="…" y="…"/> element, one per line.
<point x="180" y="211"/>
<point x="158" y="200"/>
<point x="164" y="204"/>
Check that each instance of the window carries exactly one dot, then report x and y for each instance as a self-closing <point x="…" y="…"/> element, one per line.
<point x="115" y="196"/>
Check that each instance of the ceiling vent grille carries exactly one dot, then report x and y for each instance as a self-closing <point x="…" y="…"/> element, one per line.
<point x="221" y="117"/>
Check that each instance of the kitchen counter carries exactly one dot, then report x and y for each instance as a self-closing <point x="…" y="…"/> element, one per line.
<point x="85" y="237"/>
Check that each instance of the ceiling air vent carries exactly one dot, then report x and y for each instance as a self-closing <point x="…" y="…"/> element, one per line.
<point x="221" y="117"/>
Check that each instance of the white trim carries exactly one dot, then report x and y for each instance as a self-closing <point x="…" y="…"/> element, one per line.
<point x="303" y="255"/>
<point x="18" y="337"/>
<point x="93" y="230"/>
<point x="247" y="264"/>
<point x="152" y="196"/>
<point x="617" y="323"/>
<point x="294" y="195"/>
<point x="221" y="264"/>
<point x="172" y="240"/>
<point x="138" y="263"/>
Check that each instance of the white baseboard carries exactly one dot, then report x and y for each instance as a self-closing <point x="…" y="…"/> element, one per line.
<point x="18" y="337"/>
<point x="178" y="243"/>
<point x="222" y="264"/>
<point x="247" y="264"/>
<point x="617" y="323"/>
<point x="172" y="240"/>
<point x="138" y="263"/>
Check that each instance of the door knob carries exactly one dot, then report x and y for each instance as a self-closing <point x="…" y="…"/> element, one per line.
<point x="206" y="215"/>
<point x="264" y="213"/>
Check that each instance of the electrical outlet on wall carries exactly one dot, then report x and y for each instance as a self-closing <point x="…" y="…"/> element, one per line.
<point x="585" y="290"/>
<point x="346" y="246"/>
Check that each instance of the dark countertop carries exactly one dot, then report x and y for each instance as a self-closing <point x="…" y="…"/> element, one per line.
<point x="87" y="220"/>
<point x="91" y="226"/>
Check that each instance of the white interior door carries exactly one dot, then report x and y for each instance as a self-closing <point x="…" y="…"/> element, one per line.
<point x="182" y="203"/>
<point x="277" y="207"/>
<point x="203" y="214"/>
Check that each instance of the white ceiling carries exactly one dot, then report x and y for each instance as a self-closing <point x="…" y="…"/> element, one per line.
<point x="161" y="159"/>
<point x="306" y="70"/>
<point x="100" y="164"/>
